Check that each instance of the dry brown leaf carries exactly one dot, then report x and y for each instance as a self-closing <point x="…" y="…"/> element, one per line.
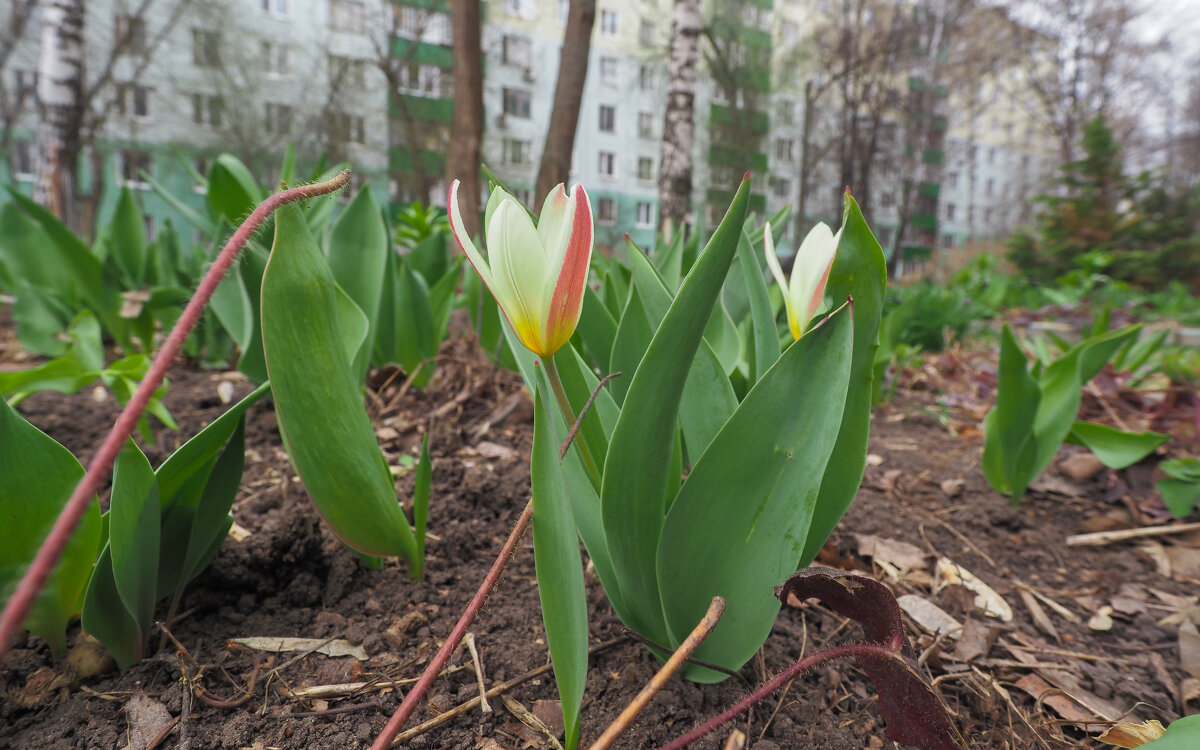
<point x="952" y="487"/>
<point x="1039" y="615"/>
<point x="1158" y="554"/>
<point x="929" y="616"/>
<point x="1185" y="562"/>
<point x="320" y="646"/>
<point x="1189" y="690"/>
<point x="1189" y="648"/>
<point x="495" y="450"/>
<point x="736" y="741"/>
<point x="986" y="598"/>
<point x="976" y="641"/>
<point x="147" y="717"/>
<point x="902" y="555"/>
<point x="1129" y="735"/>
<point x="1038" y="688"/>
<point x="1101" y="620"/>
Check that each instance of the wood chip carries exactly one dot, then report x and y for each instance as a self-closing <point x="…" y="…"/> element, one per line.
<point x="1039" y="615"/>
<point x="903" y="555"/>
<point x="975" y="642"/>
<point x="147" y="718"/>
<point x="528" y="719"/>
<point x="1101" y="620"/>
<point x="736" y="741"/>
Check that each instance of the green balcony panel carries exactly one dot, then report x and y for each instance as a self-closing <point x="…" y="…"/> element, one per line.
<point x="916" y="252"/>
<point x="423" y="53"/>
<point x="727" y="157"/>
<point x="915" y="84"/>
<point x="929" y="189"/>
<point x="401" y="160"/>
<point x="423" y="109"/>
<point x="928" y="222"/>
<point x="932" y="156"/>
<point x="721" y="115"/>
<point x="938" y="124"/>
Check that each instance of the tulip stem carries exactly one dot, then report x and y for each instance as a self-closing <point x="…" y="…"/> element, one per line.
<point x="564" y="404"/>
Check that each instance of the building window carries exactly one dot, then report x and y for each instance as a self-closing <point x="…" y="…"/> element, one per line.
<point x="347" y="71"/>
<point x="131" y="35"/>
<point x="990" y="186"/>
<point x="133" y="101"/>
<point x="26" y="87"/>
<point x="645" y="169"/>
<point x="347" y="15"/>
<point x="608" y="22"/>
<point x="949" y="212"/>
<point x="887" y="199"/>
<point x="952" y="180"/>
<point x="21" y="163"/>
<point x="645" y="214"/>
<point x="987" y="216"/>
<point x="275" y="59"/>
<point x="608" y="71"/>
<point x="520" y="8"/>
<point x="278" y="119"/>
<point x="785" y="149"/>
<point x="608" y="118"/>
<point x="606" y="211"/>
<point x="781" y="187"/>
<point x="207" y="109"/>
<point x="517" y="102"/>
<point x="991" y="156"/>
<point x="646" y="78"/>
<point x="517" y="51"/>
<point x="608" y="164"/>
<point x="133" y="164"/>
<point x="646" y="125"/>
<point x="948" y="241"/>
<point x="518" y="152"/>
<point x="206" y="49"/>
<point x="647" y="33"/>
<point x="785" y="112"/>
<point x="278" y="7"/>
<point x="346" y="128"/>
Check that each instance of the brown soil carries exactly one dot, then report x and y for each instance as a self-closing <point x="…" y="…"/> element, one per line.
<point x="289" y="577"/>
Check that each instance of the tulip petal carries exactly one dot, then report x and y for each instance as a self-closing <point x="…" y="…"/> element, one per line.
<point x="464" y="238"/>
<point x="816" y="300"/>
<point x="566" y="301"/>
<point x="809" y="274"/>
<point x="519" y="270"/>
<point x="554" y="223"/>
<point x="498" y="196"/>
<point x="777" y="272"/>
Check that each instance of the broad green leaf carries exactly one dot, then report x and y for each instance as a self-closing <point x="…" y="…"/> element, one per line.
<point x="721" y="334"/>
<point x="23" y="245"/>
<point x="287" y="168"/>
<point x="127" y="236"/>
<point x="38" y="477"/>
<point x="1181" y="734"/>
<point x="79" y="366"/>
<point x="708" y="397"/>
<point x="318" y="400"/>
<point x="668" y="259"/>
<point x="859" y="272"/>
<point x="559" y="571"/>
<point x="416" y="346"/>
<point x="431" y="257"/>
<point x="105" y="617"/>
<point x="358" y="246"/>
<point x="741" y="520"/>
<point x="597" y="328"/>
<point x="1010" y="444"/>
<point x="252" y="362"/>
<point x="201" y="222"/>
<point x="133" y="539"/>
<point x="637" y="484"/>
<point x="211" y="520"/>
<point x="77" y="262"/>
<point x="1180" y="488"/>
<point x="630" y="343"/>
<point x="40" y="315"/>
<point x="1115" y="448"/>
<point x="232" y="191"/>
<point x="762" y="315"/>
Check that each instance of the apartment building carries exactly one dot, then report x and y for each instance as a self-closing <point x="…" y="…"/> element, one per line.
<point x="370" y="82"/>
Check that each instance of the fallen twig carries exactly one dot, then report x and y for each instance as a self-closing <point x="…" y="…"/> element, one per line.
<point x="1100" y="538"/>
<point x="694" y="639"/>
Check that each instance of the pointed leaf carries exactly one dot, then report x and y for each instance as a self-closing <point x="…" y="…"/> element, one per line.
<point x="1117" y="449"/>
<point x="133" y="538"/>
<point x="1009" y="442"/>
<point x="358" y="247"/>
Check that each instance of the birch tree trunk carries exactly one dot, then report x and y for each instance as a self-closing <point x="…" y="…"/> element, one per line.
<point x="466" y="132"/>
<point x="675" y="156"/>
<point x="555" y="166"/>
<point x="60" y="88"/>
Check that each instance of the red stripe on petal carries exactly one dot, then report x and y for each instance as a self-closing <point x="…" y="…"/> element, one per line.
<point x="567" y="302"/>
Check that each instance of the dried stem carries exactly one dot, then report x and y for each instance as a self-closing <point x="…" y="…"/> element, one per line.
<point x="409" y="704"/>
<point x="34" y="580"/>
<point x="789" y="674"/>
<point x="694" y="639"/>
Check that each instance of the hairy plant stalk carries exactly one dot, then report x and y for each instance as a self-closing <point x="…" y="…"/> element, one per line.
<point x="18" y="606"/>
<point x="564" y="404"/>
<point x="789" y="674"/>
<point x="409" y="704"/>
<point x="689" y="645"/>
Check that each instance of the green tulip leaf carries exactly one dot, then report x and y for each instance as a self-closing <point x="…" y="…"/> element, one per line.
<point x="127" y="235"/>
<point x="134" y="518"/>
<point x="1115" y="448"/>
<point x="1009" y="444"/>
<point x="318" y="399"/>
<point x="39" y="475"/>
<point x="1181" y="734"/>
<point x="358" y="247"/>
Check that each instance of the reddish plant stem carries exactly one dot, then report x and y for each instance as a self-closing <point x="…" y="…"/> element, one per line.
<point x="409" y="704"/>
<point x="18" y="606"/>
<point x="789" y="674"/>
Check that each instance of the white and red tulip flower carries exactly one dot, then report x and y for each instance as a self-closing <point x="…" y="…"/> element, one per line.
<point x="804" y="294"/>
<point x="537" y="274"/>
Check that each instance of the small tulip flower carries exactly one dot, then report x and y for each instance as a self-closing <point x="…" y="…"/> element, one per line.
<point x="537" y="274"/>
<point x="804" y="295"/>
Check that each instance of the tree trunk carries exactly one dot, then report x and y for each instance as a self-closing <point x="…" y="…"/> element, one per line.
<point x="60" y="88"/>
<point x="466" y="133"/>
<point x="568" y="94"/>
<point x="675" y="157"/>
